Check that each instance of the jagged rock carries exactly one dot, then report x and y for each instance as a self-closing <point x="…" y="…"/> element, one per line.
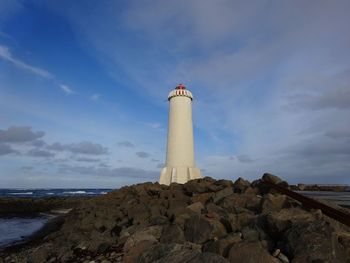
<point x="198" y="229"/>
<point x="249" y="252"/>
<point x="207" y="257"/>
<point x="313" y="242"/>
<point x="187" y="223"/>
<point x="344" y="241"/>
<point x="276" y="223"/>
<point x="250" y="202"/>
<point x="267" y="177"/>
<point x="198" y="186"/>
<point x="182" y="256"/>
<point x="240" y="185"/>
<point x="222" y="246"/>
<point x="222" y="194"/>
<point x="159" y="251"/>
<point x="203" y="198"/>
<point x="172" y="234"/>
<point x="138" y="237"/>
<point x="196" y="207"/>
<point x="271" y="203"/>
<point x="250" y="234"/>
<point x="133" y="254"/>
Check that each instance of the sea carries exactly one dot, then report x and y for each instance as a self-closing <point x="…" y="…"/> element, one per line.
<point x="16" y="229"/>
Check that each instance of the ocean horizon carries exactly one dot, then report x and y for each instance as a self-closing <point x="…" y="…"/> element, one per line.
<point x="52" y="192"/>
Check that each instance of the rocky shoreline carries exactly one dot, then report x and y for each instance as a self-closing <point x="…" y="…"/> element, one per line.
<point x="204" y="220"/>
<point x="29" y="207"/>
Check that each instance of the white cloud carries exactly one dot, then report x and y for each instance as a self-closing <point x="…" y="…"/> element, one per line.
<point x="6" y="55"/>
<point x="95" y="97"/>
<point x="67" y="90"/>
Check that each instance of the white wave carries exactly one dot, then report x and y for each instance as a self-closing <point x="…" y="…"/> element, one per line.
<point x="75" y="192"/>
<point x="103" y="193"/>
<point x="23" y="193"/>
<point x="50" y="193"/>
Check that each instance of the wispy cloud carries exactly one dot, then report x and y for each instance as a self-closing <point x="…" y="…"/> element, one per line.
<point x="66" y="89"/>
<point x="95" y="97"/>
<point x="7" y="55"/>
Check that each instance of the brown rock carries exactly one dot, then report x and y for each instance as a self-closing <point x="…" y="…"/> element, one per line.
<point x="271" y="203"/>
<point x="132" y="255"/>
<point x="172" y="234"/>
<point x="249" y="252"/>
<point x="203" y="198"/>
<point x="240" y="185"/>
<point x="222" y="194"/>
<point x="315" y="241"/>
<point x="198" y="229"/>
<point x="196" y="207"/>
<point x="207" y="257"/>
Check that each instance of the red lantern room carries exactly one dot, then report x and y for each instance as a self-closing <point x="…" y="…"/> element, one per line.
<point x="180" y="86"/>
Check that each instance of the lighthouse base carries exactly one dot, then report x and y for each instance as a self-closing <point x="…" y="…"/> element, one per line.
<point x="178" y="175"/>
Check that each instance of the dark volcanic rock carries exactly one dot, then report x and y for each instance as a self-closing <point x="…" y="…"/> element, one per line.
<point x="198" y="229"/>
<point x="250" y="252"/>
<point x="203" y="220"/>
<point x="240" y="185"/>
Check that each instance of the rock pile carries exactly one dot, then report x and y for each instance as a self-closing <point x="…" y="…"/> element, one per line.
<point x="204" y="220"/>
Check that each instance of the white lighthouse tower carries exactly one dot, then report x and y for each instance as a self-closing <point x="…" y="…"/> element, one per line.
<point x="180" y="166"/>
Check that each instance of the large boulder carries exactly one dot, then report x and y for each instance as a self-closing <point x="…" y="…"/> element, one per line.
<point x="222" y="246"/>
<point x="272" y="203"/>
<point x="250" y="252"/>
<point x="251" y="202"/>
<point x="240" y="185"/>
<point x="199" y="229"/>
<point x="313" y="242"/>
<point x="172" y="234"/>
<point x="207" y="257"/>
<point x="276" y="223"/>
<point x="199" y="186"/>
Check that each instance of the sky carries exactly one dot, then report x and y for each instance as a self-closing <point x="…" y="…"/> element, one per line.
<point x="84" y="85"/>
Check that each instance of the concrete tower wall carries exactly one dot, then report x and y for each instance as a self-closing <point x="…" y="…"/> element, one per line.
<point x="180" y="151"/>
<point x="180" y="165"/>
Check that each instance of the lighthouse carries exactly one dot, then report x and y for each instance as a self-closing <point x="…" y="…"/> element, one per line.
<point x="180" y="165"/>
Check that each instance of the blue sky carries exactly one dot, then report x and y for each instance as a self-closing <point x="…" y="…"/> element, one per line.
<point x="83" y="88"/>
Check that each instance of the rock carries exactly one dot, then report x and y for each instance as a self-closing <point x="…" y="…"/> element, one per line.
<point x="103" y="247"/>
<point x="251" y="202"/>
<point x="222" y="246"/>
<point x="240" y="185"/>
<point x="344" y="241"/>
<point x="249" y="252"/>
<point x="198" y="186"/>
<point x="133" y="240"/>
<point x="283" y="258"/>
<point x="270" y="178"/>
<point x="184" y="255"/>
<point x="133" y="254"/>
<point x="207" y="257"/>
<point x="250" y="234"/>
<point x="196" y="207"/>
<point x="159" y="220"/>
<point x="203" y="198"/>
<point x="276" y="223"/>
<point x="271" y="203"/>
<point x="225" y="183"/>
<point x="39" y="255"/>
<point x="172" y="234"/>
<point x="222" y="194"/>
<point x="252" y="191"/>
<point x="315" y="241"/>
<point x="198" y="229"/>
<point x="159" y="251"/>
<point x="182" y="223"/>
